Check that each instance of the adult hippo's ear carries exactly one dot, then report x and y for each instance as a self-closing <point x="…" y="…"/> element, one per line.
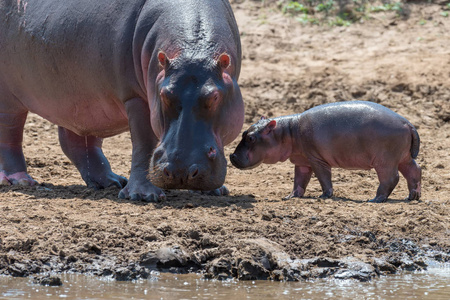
<point x="164" y="61"/>
<point x="269" y="127"/>
<point x="224" y="61"/>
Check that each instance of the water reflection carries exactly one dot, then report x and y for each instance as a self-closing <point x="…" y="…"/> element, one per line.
<point x="433" y="284"/>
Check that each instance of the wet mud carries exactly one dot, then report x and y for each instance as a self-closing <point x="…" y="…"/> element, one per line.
<point x="62" y="226"/>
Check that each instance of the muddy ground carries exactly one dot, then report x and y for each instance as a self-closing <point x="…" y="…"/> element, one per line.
<point x="287" y="68"/>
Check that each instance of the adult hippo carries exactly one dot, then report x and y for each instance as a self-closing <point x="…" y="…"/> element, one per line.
<point x="167" y="70"/>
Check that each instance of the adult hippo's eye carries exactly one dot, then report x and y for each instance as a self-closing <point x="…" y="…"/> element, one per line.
<point x="163" y="96"/>
<point x="250" y="139"/>
<point x="212" y="101"/>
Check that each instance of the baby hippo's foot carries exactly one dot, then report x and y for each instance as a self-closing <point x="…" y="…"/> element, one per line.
<point x="413" y="195"/>
<point x="327" y="194"/>
<point x="19" y="178"/>
<point x="222" y="191"/>
<point x="297" y="193"/>
<point x="101" y="180"/>
<point x="378" y="199"/>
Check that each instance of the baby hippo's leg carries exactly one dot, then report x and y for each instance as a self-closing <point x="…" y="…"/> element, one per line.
<point x="388" y="177"/>
<point x="412" y="172"/>
<point x="301" y="180"/>
<point x="87" y="155"/>
<point x="322" y="170"/>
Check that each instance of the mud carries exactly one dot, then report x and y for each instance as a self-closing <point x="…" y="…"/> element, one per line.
<point x="62" y="226"/>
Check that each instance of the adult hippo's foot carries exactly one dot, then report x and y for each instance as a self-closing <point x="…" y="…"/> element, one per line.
<point x="104" y="180"/>
<point x="144" y="191"/>
<point x="87" y="155"/>
<point x="222" y="191"/>
<point x="13" y="169"/>
<point x="19" y="178"/>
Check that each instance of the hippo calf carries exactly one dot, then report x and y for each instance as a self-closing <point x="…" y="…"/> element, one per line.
<point x="349" y="135"/>
<point x="165" y="70"/>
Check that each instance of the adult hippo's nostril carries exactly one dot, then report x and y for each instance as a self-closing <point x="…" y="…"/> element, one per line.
<point x="167" y="173"/>
<point x="193" y="171"/>
<point x="212" y="153"/>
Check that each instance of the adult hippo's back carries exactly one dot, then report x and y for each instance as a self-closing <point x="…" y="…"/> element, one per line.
<point x="167" y="70"/>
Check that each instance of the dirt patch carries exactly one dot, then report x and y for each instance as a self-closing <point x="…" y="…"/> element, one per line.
<point x="253" y="234"/>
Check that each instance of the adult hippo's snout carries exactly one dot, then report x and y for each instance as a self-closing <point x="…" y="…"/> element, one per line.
<point x="202" y="168"/>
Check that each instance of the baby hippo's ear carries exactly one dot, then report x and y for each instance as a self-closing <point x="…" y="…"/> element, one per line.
<point x="269" y="127"/>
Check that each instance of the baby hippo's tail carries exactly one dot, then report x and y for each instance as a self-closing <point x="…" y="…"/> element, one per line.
<point x="415" y="144"/>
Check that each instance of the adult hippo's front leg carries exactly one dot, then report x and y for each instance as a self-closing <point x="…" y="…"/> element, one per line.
<point x="144" y="141"/>
<point x="87" y="155"/>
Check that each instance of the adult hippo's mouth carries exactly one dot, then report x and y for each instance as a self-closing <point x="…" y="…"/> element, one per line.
<point x="201" y="169"/>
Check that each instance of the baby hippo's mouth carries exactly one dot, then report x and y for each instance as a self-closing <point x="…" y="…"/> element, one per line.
<point x="237" y="162"/>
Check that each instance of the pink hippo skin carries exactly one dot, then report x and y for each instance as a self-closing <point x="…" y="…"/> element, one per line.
<point x="165" y="70"/>
<point x="349" y="135"/>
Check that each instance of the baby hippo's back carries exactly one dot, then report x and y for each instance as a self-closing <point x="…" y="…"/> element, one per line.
<point x="356" y="135"/>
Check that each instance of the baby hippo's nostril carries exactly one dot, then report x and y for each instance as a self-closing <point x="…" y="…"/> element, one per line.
<point x="193" y="171"/>
<point x="212" y="153"/>
<point x="234" y="160"/>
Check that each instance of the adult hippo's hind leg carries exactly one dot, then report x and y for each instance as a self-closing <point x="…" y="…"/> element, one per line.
<point x="13" y="169"/>
<point x="87" y="155"/>
<point x="144" y="142"/>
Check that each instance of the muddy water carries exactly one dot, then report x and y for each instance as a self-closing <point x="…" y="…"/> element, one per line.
<point x="433" y="284"/>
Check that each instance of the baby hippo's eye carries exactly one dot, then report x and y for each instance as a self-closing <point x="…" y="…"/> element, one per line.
<point x="250" y="139"/>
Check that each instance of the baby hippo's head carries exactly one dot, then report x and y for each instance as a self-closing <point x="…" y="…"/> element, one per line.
<point x="257" y="146"/>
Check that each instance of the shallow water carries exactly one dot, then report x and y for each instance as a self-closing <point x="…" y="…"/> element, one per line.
<point x="432" y="284"/>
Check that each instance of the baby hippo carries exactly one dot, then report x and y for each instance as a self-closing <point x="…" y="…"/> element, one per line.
<point x="349" y="135"/>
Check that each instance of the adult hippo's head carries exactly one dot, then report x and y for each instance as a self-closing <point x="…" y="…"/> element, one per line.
<point x="197" y="109"/>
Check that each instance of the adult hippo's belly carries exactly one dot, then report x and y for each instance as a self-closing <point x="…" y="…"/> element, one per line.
<point x="166" y="70"/>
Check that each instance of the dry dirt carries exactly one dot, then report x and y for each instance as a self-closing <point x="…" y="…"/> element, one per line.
<point x="287" y="68"/>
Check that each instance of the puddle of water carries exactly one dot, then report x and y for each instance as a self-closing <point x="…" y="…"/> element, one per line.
<point x="433" y="284"/>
